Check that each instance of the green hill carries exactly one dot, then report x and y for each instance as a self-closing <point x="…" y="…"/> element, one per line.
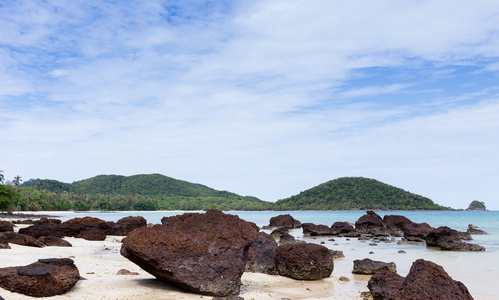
<point x="141" y="192"/>
<point x="356" y="193"/>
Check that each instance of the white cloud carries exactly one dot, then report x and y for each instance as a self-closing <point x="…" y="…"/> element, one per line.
<point x="267" y="99"/>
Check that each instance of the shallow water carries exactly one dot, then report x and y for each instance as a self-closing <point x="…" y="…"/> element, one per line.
<point x="479" y="271"/>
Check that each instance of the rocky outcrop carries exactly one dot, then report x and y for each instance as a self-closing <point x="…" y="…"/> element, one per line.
<point x="367" y="266"/>
<point x="44" y="278"/>
<point x="425" y="281"/>
<point x="286" y="221"/>
<point x="317" y="230"/>
<point x="6" y="226"/>
<point x="204" y="253"/>
<point x="50" y="240"/>
<point x="261" y="255"/>
<point x="304" y="261"/>
<point x="126" y="225"/>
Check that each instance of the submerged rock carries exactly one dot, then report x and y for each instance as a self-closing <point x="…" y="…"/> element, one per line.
<point x="204" y="253"/>
<point x="44" y="278"/>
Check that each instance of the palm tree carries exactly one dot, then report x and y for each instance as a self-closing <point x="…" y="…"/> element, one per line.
<point x="1" y="177"/>
<point x="17" y="180"/>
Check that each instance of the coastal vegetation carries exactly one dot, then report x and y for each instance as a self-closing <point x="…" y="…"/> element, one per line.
<point x="159" y="192"/>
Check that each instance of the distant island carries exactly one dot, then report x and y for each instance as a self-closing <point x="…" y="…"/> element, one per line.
<point x="160" y="192"/>
<point x="476" y="205"/>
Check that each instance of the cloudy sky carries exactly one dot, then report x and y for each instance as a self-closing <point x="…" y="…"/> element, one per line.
<point x="264" y="98"/>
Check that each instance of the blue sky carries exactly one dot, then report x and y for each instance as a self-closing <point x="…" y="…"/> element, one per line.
<point x="263" y="98"/>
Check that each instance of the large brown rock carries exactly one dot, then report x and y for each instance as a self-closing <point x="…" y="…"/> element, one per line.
<point x="261" y="255"/>
<point x="304" y="261"/>
<point x="317" y="230"/>
<point x="6" y="226"/>
<point x="372" y="223"/>
<point x="44" y="278"/>
<point x="367" y="266"/>
<point x="342" y="227"/>
<point x="42" y="229"/>
<point x="428" y="281"/>
<point x="127" y="224"/>
<point x="383" y="284"/>
<point x="204" y="253"/>
<point x="286" y="221"/>
<point x="417" y="230"/>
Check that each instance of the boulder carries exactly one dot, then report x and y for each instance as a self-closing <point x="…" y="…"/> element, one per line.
<point x="287" y="238"/>
<point x="367" y="266"/>
<point x="42" y="229"/>
<point x="50" y="240"/>
<point x="125" y="225"/>
<point x="276" y="233"/>
<point x="261" y="255"/>
<point x="445" y="234"/>
<point x="286" y="221"/>
<point x="43" y="220"/>
<point x="417" y="230"/>
<point x="472" y="229"/>
<point x="425" y="281"/>
<point x="342" y="227"/>
<point x="304" y="261"/>
<point x="460" y="246"/>
<point x="6" y="226"/>
<point x="371" y="223"/>
<point x="75" y="226"/>
<point x="20" y="239"/>
<point x="204" y="253"/>
<point x="383" y="284"/>
<point x="44" y="278"/>
<point x="317" y="230"/>
<point x="92" y="234"/>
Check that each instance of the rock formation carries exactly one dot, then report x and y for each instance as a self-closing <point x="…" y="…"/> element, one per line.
<point x="204" y="253"/>
<point x="304" y="261"/>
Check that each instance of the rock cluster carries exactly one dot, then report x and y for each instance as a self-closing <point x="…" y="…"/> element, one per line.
<point x="87" y="227"/>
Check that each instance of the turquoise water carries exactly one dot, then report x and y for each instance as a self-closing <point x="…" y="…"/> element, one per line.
<point x="477" y="270"/>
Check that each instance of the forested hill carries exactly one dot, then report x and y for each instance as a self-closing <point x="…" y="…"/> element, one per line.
<point x="137" y="192"/>
<point x="145" y="184"/>
<point x="356" y="193"/>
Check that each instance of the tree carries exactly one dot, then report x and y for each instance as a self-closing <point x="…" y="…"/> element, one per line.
<point x="5" y="197"/>
<point x="1" y="177"/>
<point x="17" y="181"/>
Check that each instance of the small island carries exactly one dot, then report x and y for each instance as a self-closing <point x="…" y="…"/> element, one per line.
<point x="476" y="205"/>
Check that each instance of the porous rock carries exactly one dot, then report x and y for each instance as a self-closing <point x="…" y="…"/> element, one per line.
<point x="317" y="230"/>
<point x="367" y="266"/>
<point x="20" y="239"/>
<point x="286" y="221"/>
<point x="44" y="278"/>
<point x="204" y="253"/>
<point x="6" y="226"/>
<point x="50" y="240"/>
<point x="304" y="261"/>
<point x="261" y="255"/>
<point x="425" y="281"/>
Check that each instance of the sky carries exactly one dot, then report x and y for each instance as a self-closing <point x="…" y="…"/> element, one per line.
<point x="263" y="98"/>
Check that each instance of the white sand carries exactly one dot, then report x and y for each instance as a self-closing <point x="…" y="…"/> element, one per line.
<point x="99" y="262"/>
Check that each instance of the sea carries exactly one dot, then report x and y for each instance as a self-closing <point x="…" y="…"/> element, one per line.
<point x="478" y="271"/>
